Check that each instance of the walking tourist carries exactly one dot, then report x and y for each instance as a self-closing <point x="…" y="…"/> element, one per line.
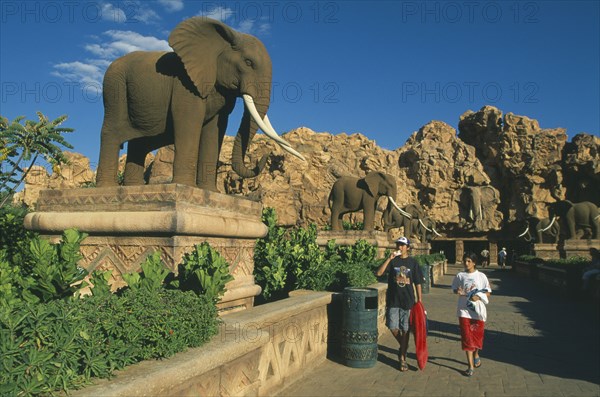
<point x="502" y="258"/>
<point x="404" y="279"/>
<point x="473" y="289"/>
<point x="485" y="256"/>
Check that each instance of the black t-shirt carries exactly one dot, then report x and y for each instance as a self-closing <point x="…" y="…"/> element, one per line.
<point x="403" y="296"/>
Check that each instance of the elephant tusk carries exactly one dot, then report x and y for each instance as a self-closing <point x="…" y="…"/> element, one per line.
<point x="549" y="226"/>
<point x="272" y="131"/>
<point x="406" y="214"/>
<point x="435" y="231"/>
<point x="267" y="129"/>
<point x="524" y="233"/>
<point x="422" y="224"/>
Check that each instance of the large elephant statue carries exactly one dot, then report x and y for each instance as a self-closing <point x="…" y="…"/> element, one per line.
<point x="412" y="218"/>
<point x="153" y="99"/>
<point x="582" y="216"/>
<point x="350" y="194"/>
<point x="543" y="230"/>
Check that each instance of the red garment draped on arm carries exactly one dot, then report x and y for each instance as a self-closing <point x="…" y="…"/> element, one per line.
<point x="418" y="322"/>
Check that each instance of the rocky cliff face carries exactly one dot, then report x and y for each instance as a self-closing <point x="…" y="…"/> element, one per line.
<point x="506" y="162"/>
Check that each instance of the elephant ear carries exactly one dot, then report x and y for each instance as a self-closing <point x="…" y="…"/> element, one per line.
<point x="373" y="179"/>
<point x="198" y="42"/>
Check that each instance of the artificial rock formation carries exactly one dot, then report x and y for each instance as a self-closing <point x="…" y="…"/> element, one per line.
<point x="514" y="166"/>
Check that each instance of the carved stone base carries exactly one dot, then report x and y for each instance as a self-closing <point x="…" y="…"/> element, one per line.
<point x="546" y="251"/>
<point x="126" y="224"/>
<point x="379" y="239"/>
<point x="579" y="247"/>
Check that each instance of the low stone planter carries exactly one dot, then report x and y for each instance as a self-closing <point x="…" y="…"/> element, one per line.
<point x="525" y="269"/>
<point x="553" y="277"/>
<point x="438" y="269"/>
<point x="257" y="352"/>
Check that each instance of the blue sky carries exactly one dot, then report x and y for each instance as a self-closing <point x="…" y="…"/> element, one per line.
<point x="381" y="68"/>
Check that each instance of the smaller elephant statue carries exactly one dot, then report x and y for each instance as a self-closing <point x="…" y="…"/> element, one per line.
<point x="424" y="228"/>
<point x="350" y="194"/>
<point x="412" y="218"/>
<point x="543" y="230"/>
<point x="582" y="216"/>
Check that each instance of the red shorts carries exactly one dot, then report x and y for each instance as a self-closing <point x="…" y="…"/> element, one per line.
<point x="471" y="333"/>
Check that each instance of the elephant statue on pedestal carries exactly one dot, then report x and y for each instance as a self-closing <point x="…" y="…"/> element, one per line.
<point x="412" y="218"/>
<point x="154" y="99"/>
<point x="543" y="230"/>
<point x="575" y="217"/>
<point x="425" y="229"/>
<point x="350" y="194"/>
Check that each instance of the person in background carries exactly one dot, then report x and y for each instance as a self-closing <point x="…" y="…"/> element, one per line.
<point x="592" y="270"/>
<point x="473" y="289"/>
<point x="485" y="256"/>
<point x="404" y="279"/>
<point x="502" y="258"/>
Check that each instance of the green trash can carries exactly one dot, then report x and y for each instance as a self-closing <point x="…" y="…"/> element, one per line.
<point x="359" y="327"/>
<point x="426" y="269"/>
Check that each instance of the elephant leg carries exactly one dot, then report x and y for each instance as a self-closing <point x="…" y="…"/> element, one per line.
<point x="137" y="151"/>
<point x="187" y="132"/>
<point x="134" y="166"/>
<point x="336" y="218"/>
<point x="109" y="157"/>
<point x="208" y="156"/>
<point x="572" y="229"/>
<point x="369" y="218"/>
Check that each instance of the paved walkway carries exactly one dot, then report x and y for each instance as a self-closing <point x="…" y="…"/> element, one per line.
<point x="536" y="344"/>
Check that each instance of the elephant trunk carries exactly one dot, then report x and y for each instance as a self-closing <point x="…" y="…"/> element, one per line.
<point x="255" y="116"/>
<point x="246" y="132"/>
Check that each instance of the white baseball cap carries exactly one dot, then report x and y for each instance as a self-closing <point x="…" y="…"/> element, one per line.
<point x="403" y="240"/>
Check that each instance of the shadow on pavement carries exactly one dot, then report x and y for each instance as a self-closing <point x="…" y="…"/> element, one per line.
<point x="556" y="335"/>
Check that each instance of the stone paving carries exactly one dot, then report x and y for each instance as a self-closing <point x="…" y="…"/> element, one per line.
<point x="537" y="343"/>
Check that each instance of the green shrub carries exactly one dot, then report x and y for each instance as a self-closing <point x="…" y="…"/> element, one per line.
<point x="204" y="271"/>
<point x="53" y="340"/>
<point x="14" y="238"/>
<point x="60" y="345"/>
<point x="291" y="259"/>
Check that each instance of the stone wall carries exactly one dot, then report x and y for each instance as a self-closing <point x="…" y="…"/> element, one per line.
<point x="257" y="352"/>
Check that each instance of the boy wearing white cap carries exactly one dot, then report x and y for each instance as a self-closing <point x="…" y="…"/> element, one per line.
<point x="403" y="273"/>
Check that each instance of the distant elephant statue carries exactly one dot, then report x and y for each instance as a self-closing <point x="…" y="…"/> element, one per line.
<point x="581" y="216"/>
<point x="478" y="197"/>
<point x="350" y="194"/>
<point x="153" y="99"/>
<point x="412" y="218"/>
<point x="543" y="230"/>
<point x="424" y="229"/>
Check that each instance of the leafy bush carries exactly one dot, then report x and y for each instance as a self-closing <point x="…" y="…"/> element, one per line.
<point x="204" y="271"/>
<point x="292" y="259"/>
<point x="573" y="262"/>
<point x="14" y="238"/>
<point x="62" y="344"/>
<point x="51" y="339"/>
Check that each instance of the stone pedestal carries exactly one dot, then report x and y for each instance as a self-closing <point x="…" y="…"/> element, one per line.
<point x="379" y="239"/>
<point x="579" y="247"/>
<point x="546" y="251"/>
<point x="126" y="224"/>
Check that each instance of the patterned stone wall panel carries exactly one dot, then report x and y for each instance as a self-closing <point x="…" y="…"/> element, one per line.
<point x="207" y="384"/>
<point x="241" y="377"/>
